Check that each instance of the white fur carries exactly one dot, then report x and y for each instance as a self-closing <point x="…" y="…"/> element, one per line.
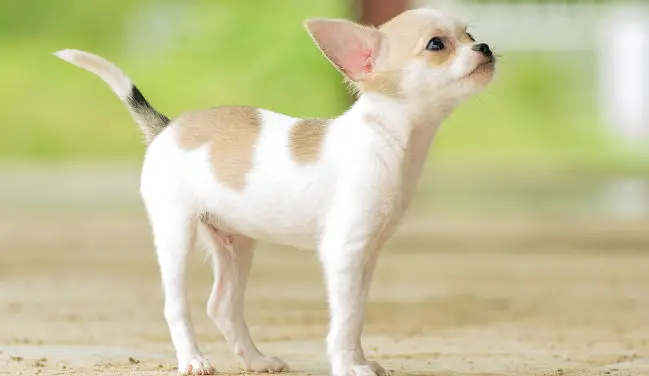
<point x="345" y="206"/>
<point x="107" y="71"/>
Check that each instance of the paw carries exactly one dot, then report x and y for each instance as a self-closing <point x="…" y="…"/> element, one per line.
<point x="368" y="369"/>
<point x="266" y="364"/>
<point x="196" y="366"/>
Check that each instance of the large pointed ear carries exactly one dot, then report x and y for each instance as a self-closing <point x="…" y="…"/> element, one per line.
<point x="352" y="48"/>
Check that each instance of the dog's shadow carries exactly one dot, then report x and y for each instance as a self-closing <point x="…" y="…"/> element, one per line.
<point x="404" y="373"/>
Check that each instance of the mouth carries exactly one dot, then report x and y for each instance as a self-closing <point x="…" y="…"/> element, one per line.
<point x="484" y="67"/>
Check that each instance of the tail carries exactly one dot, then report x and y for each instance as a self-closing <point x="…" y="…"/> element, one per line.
<point x="150" y="121"/>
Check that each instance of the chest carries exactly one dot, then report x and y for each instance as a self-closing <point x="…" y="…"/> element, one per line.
<point x="388" y="178"/>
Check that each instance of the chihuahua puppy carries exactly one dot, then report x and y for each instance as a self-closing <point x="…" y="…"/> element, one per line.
<point x="231" y="175"/>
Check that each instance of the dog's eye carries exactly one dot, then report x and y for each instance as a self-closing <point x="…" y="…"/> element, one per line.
<point x="435" y="44"/>
<point x="470" y="37"/>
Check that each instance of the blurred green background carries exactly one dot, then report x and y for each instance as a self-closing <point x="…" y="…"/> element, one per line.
<point x="182" y="55"/>
<point x="532" y="149"/>
<point x="541" y="112"/>
<point x="549" y="206"/>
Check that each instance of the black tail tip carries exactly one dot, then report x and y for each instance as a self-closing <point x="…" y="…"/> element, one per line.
<point x="136" y="99"/>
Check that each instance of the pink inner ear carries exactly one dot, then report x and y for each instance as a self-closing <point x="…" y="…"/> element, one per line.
<point x="356" y="57"/>
<point x="351" y="47"/>
<point x="366" y="58"/>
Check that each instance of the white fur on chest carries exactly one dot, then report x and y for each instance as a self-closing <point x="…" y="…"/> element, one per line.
<point x="361" y="169"/>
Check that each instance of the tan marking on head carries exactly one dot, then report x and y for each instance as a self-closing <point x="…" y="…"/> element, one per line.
<point x="386" y="83"/>
<point x="231" y="132"/>
<point x="405" y="39"/>
<point x="465" y="38"/>
<point x="374" y="59"/>
<point x="306" y="138"/>
<point x="443" y="57"/>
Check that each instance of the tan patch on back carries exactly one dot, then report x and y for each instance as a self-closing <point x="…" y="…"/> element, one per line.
<point x="306" y="139"/>
<point x="231" y="132"/>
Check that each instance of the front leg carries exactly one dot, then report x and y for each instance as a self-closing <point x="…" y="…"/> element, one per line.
<point x="348" y="255"/>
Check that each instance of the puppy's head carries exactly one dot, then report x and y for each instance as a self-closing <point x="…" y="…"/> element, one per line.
<point x="422" y="55"/>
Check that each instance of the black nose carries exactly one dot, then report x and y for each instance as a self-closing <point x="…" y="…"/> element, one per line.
<point x="484" y="48"/>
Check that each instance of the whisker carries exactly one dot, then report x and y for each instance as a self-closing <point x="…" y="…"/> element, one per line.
<point x="481" y="101"/>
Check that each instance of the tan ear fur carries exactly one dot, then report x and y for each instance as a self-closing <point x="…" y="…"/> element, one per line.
<point x="350" y="47"/>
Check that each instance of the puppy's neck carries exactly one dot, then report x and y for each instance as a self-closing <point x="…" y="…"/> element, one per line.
<point x="404" y="120"/>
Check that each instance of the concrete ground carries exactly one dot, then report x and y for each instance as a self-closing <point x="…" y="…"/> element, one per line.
<point x="80" y="294"/>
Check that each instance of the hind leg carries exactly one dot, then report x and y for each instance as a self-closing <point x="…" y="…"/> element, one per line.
<point x="232" y="256"/>
<point x="174" y="232"/>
